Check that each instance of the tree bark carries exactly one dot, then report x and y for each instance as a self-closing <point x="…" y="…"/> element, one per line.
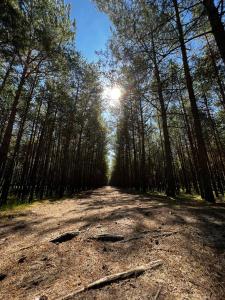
<point x="170" y="179"/>
<point x="7" y="73"/>
<point x="217" y="26"/>
<point x="204" y="171"/>
<point x="218" y="79"/>
<point x="4" y="148"/>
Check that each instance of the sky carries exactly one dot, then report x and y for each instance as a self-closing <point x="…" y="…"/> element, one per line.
<point x="92" y="34"/>
<point x="92" y="28"/>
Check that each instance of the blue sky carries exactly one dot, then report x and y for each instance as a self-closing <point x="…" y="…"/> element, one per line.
<point x="92" y="34"/>
<point x="93" y="28"/>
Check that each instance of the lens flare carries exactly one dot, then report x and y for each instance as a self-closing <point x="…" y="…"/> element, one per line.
<point x="112" y="95"/>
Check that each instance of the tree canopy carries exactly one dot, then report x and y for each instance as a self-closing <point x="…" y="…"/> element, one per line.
<point x="170" y="134"/>
<point x="52" y="134"/>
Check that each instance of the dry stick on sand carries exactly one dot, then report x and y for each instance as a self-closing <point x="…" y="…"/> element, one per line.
<point x="142" y="235"/>
<point x="158" y="293"/>
<point x="115" y="277"/>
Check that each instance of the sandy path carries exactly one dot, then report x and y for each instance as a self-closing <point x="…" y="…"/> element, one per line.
<point x="189" y="238"/>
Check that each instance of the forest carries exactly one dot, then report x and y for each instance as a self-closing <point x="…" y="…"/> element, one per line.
<point x="170" y="134"/>
<point x="52" y="135"/>
<point x="112" y="170"/>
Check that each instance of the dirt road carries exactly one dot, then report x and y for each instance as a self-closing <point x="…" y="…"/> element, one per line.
<point x="188" y="237"/>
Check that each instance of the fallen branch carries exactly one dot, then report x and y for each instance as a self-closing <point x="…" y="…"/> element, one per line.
<point x="24" y="248"/>
<point x="142" y="235"/>
<point x="115" y="277"/>
<point x="158" y="293"/>
<point x="169" y="233"/>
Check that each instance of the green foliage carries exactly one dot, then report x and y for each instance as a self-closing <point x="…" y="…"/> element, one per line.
<point x="165" y="96"/>
<point x="51" y="127"/>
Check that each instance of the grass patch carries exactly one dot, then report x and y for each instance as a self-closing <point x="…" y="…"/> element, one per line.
<point x="155" y="193"/>
<point x="192" y="197"/>
<point x="15" y="206"/>
<point x="182" y="196"/>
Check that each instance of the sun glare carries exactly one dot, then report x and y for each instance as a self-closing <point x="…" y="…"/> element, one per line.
<point x="112" y="95"/>
<point x="115" y="93"/>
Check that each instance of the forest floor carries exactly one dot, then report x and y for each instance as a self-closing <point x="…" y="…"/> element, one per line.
<point x="188" y="237"/>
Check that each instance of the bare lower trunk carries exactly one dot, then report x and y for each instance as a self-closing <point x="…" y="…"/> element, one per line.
<point x="217" y="25"/>
<point x="204" y="171"/>
<point x="8" y="132"/>
<point x="170" y="179"/>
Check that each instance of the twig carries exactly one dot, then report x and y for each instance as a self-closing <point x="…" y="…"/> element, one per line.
<point x="158" y="293"/>
<point x="161" y="234"/>
<point x="115" y="277"/>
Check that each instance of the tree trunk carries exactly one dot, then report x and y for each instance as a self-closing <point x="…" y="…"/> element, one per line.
<point x="7" y="73"/>
<point x="217" y="25"/>
<point x="8" y="132"/>
<point x="10" y="167"/>
<point x="170" y="179"/>
<point x="218" y="79"/>
<point x="202" y="153"/>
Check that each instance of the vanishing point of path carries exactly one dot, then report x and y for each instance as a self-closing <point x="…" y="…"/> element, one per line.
<point x="52" y="249"/>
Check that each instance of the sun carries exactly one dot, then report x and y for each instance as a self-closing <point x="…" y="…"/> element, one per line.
<point x="115" y="93"/>
<point x="112" y="95"/>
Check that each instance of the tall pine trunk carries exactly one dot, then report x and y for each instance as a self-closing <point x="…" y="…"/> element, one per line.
<point x="9" y="128"/>
<point x="217" y="25"/>
<point x="204" y="171"/>
<point x="170" y="179"/>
